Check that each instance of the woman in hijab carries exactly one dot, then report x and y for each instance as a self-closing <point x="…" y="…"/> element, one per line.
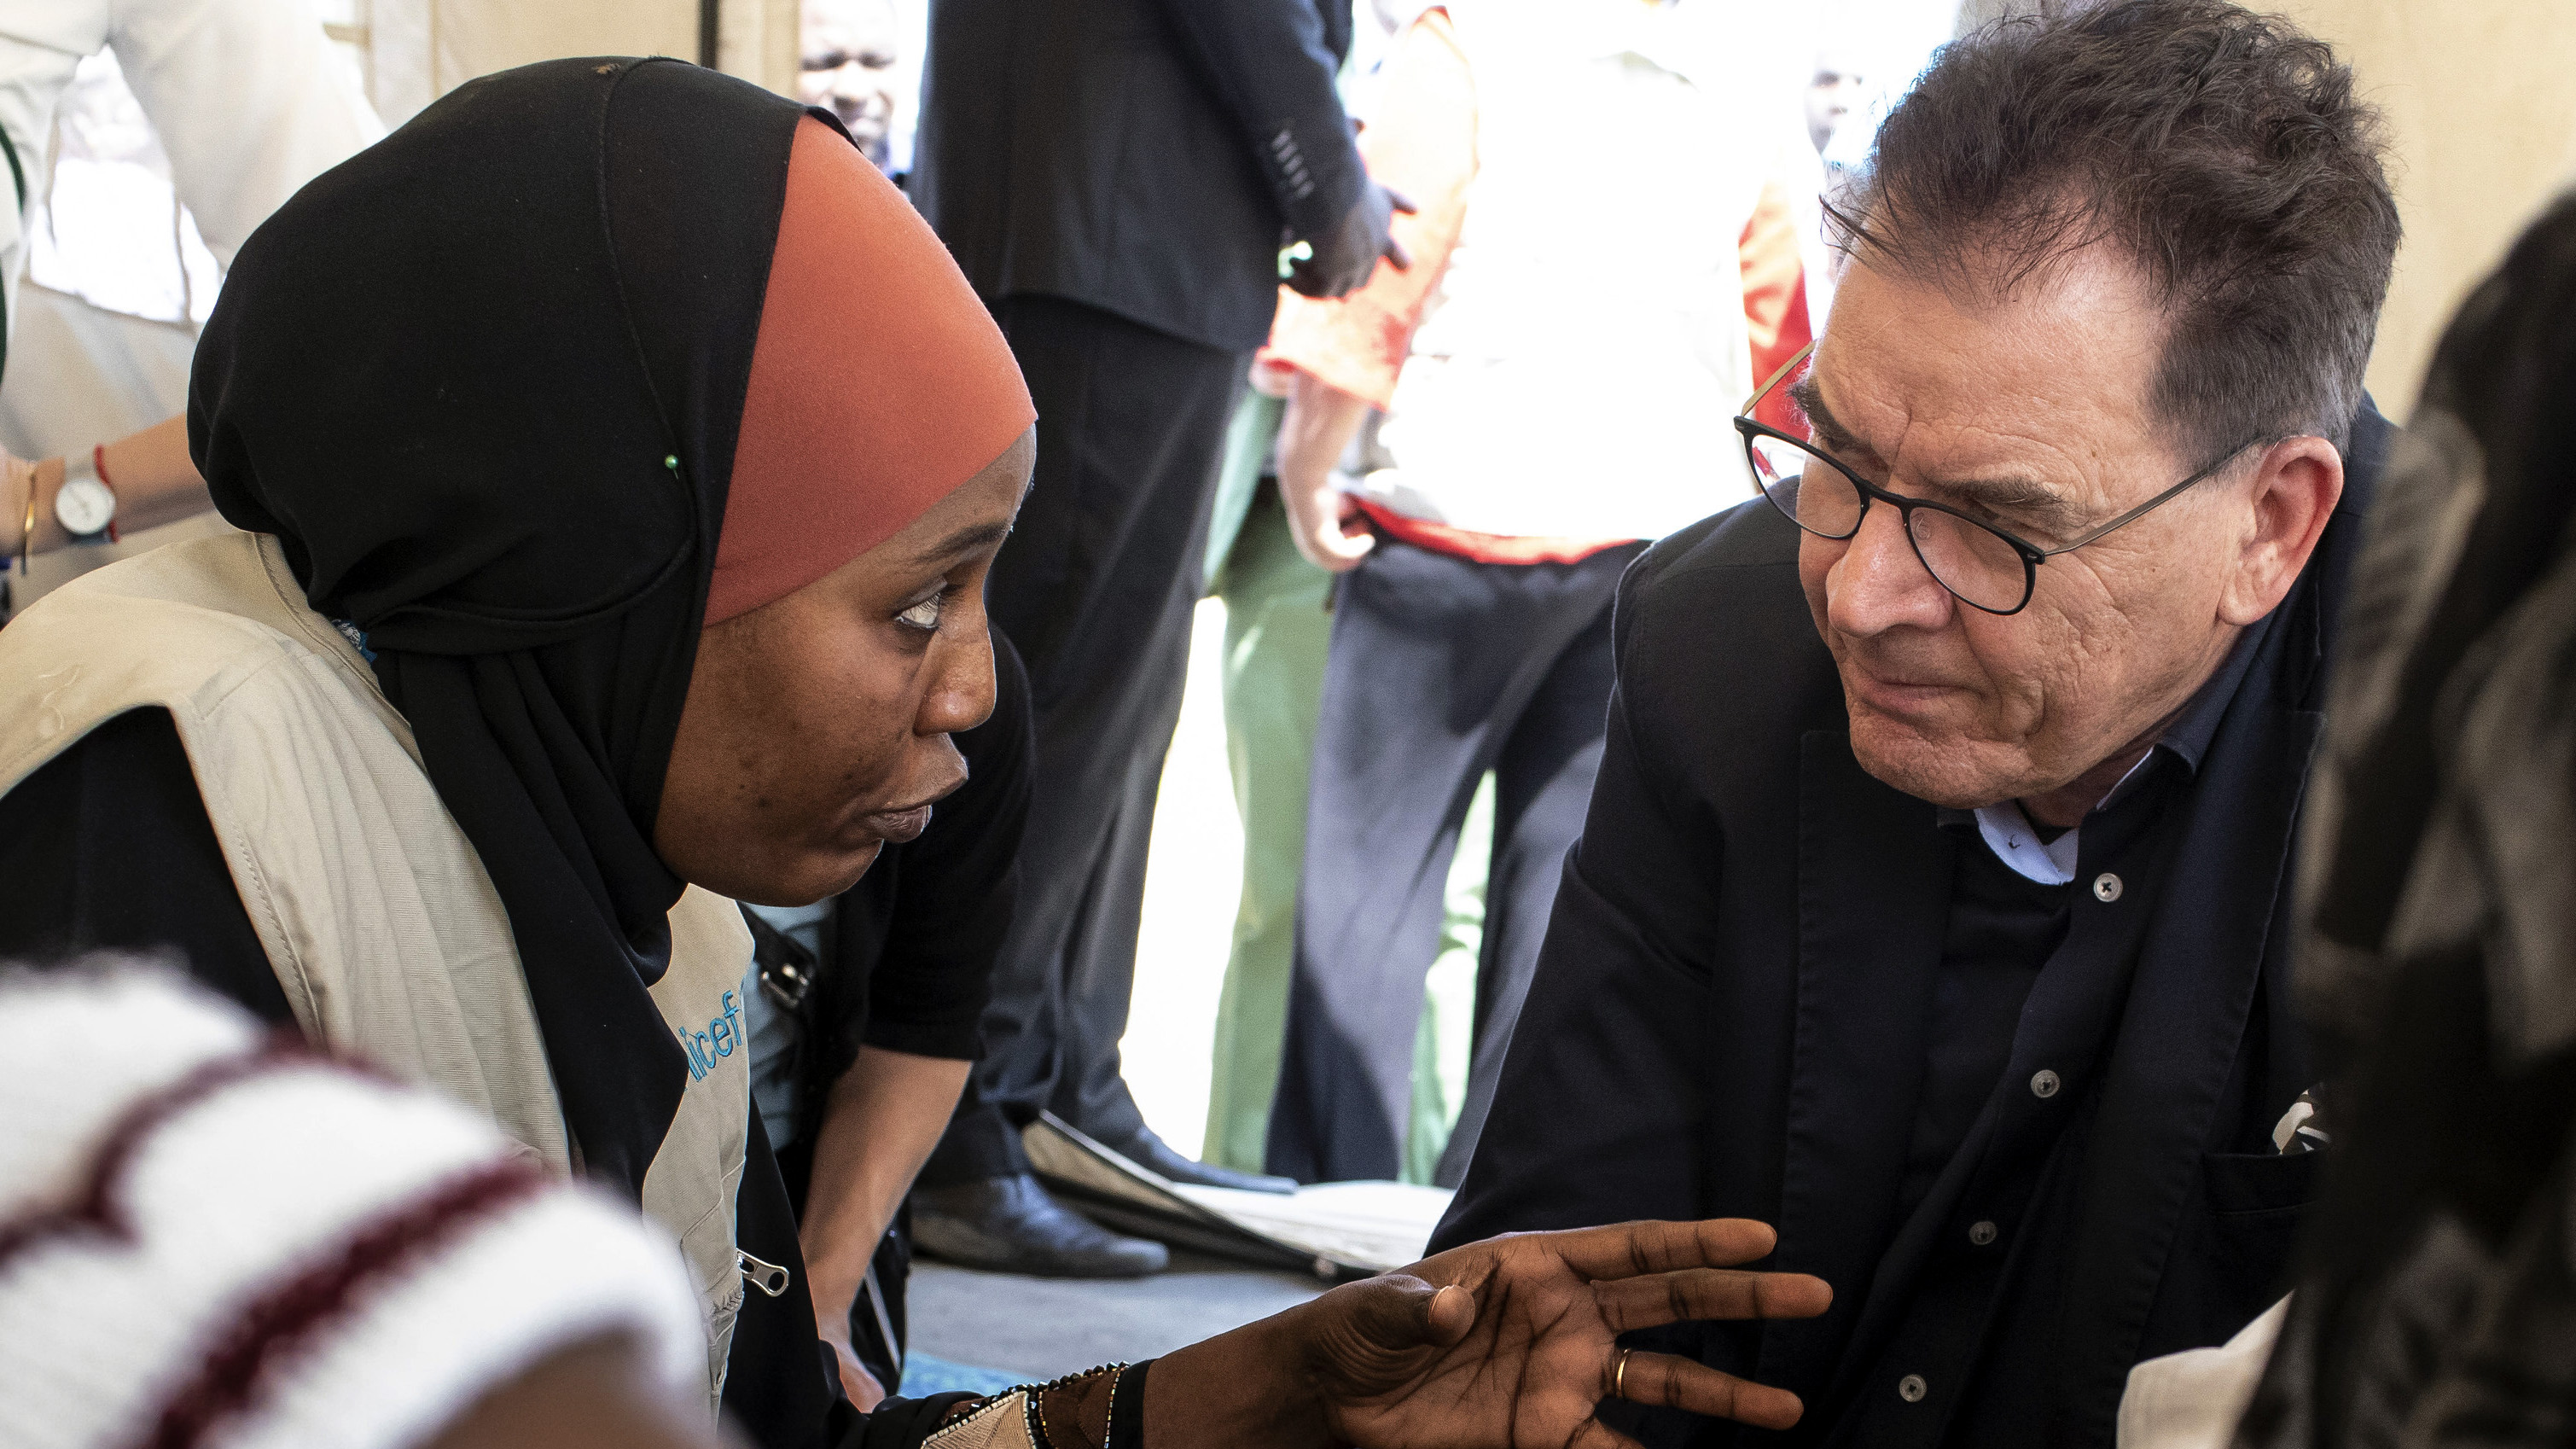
<point x="621" y="459"/>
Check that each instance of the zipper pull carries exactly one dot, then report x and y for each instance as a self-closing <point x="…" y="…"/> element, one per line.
<point x="769" y="1278"/>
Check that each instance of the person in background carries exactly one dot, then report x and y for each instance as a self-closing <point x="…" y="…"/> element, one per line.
<point x="1542" y="423"/>
<point x="863" y="1026"/>
<point x="847" y="66"/>
<point x="1116" y="179"/>
<point x="208" y="1237"/>
<point x="1932" y="901"/>
<point x="1278" y="628"/>
<point x="250" y="105"/>
<point x="1837" y="86"/>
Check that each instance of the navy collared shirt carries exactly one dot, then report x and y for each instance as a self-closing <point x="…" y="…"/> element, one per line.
<point x="2028" y="995"/>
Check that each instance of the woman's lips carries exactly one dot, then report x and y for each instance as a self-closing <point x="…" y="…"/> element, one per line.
<point x="898" y="826"/>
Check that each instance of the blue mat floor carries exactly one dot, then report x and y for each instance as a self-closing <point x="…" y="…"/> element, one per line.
<point x="924" y="1376"/>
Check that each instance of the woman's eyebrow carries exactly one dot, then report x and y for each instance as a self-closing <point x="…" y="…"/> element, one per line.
<point x="965" y="540"/>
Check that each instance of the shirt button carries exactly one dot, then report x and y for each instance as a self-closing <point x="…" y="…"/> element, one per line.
<point x="2043" y="1083"/>
<point x="1981" y="1234"/>
<point x="1911" y="1388"/>
<point x="2106" y="887"/>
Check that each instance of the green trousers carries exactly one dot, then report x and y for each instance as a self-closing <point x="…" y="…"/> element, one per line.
<point x="1277" y="631"/>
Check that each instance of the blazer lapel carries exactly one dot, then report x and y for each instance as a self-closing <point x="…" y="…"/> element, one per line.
<point x="1873" y="904"/>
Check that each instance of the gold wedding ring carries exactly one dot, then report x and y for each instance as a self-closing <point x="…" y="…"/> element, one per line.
<point x="1619" y="1376"/>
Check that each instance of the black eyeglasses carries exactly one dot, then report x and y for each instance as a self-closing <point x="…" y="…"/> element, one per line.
<point x="1981" y="565"/>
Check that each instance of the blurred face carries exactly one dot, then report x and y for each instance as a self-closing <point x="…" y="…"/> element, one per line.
<point x="2031" y="413"/>
<point x="848" y="67"/>
<point x="1831" y="93"/>
<point x="817" y="725"/>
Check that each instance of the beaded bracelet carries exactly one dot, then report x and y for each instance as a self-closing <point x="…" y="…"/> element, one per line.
<point x="1037" y="1402"/>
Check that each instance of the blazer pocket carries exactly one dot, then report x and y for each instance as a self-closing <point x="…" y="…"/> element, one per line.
<point x="2241" y="1184"/>
<point x="2243" y="1238"/>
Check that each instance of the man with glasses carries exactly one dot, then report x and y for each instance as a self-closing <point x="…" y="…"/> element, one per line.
<point x="1930" y="903"/>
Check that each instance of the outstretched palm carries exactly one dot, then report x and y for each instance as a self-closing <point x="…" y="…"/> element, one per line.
<point x="1510" y="1342"/>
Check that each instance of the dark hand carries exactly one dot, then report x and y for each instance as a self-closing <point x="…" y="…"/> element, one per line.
<point x="1510" y="1341"/>
<point x="1345" y="256"/>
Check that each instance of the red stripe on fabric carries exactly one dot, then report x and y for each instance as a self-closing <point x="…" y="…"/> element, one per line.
<point x="97" y="1207"/>
<point x="1494" y="548"/>
<point x="290" y="1315"/>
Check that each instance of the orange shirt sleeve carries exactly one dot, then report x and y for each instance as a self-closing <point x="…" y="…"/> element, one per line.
<point x="1775" y="296"/>
<point x="1421" y="143"/>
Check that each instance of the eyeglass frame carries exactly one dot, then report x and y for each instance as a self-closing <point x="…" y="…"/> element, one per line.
<point x="2032" y="555"/>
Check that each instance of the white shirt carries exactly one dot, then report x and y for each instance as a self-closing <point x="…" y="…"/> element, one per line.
<point x="249" y="102"/>
<point x="1575" y="371"/>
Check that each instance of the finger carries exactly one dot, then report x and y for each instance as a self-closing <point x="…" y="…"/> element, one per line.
<point x="1397" y="1312"/>
<point x="1340" y="554"/>
<point x="1625" y="1250"/>
<point x="1654" y="1299"/>
<point x="1397" y="200"/>
<point x="1397" y="257"/>
<point x="1662" y="1380"/>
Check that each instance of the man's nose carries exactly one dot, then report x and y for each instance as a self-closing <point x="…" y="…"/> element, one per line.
<point x="1880" y="583"/>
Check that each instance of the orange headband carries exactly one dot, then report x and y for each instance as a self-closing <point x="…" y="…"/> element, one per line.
<point x="878" y="383"/>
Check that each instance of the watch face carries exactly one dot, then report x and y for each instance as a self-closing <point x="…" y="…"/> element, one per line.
<point x="84" y="505"/>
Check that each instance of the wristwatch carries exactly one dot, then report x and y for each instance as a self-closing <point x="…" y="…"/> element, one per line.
<point x="85" y="505"/>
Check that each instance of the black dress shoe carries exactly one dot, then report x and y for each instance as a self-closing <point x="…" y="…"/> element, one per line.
<point x="1156" y="1156"/>
<point x="1010" y="1225"/>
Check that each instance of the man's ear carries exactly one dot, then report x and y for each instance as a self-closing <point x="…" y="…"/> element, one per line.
<point x="2296" y="485"/>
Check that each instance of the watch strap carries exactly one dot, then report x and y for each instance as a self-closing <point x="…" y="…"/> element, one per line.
<point x="98" y="465"/>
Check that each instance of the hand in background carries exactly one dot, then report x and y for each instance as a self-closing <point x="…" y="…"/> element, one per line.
<point x="1320" y="519"/>
<point x="1345" y="256"/>
<point x="1313" y="434"/>
<point x="862" y="1387"/>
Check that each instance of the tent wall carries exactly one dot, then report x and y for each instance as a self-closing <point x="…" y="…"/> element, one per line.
<point x="418" y="50"/>
<point x="2481" y="102"/>
<point x="2480" y="97"/>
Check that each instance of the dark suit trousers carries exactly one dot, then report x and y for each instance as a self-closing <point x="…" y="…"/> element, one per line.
<point x="1441" y="669"/>
<point x="1096" y="586"/>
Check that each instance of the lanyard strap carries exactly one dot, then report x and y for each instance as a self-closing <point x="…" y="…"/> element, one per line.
<point x="18" y="178"/>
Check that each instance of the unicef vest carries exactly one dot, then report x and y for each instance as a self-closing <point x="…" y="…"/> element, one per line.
<point x="376" y="914"/>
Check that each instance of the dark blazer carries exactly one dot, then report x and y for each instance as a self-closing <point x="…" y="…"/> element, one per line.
<point x="1729" y="1014"/>
<point x="1149" y="157"/>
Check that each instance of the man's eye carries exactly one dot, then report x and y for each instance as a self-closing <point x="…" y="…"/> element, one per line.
<point x="923" y="616"/>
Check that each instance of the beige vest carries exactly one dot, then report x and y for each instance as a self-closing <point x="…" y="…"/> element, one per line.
<point x="372" y="905"/>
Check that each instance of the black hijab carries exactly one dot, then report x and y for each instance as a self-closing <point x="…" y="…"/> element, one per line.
<point x="483" y="382"/>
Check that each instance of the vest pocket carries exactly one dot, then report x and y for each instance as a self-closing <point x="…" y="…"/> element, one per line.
<point x="724" y="1305"/>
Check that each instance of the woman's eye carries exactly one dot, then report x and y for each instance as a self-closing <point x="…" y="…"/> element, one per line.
<point x="923" y="616"/>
